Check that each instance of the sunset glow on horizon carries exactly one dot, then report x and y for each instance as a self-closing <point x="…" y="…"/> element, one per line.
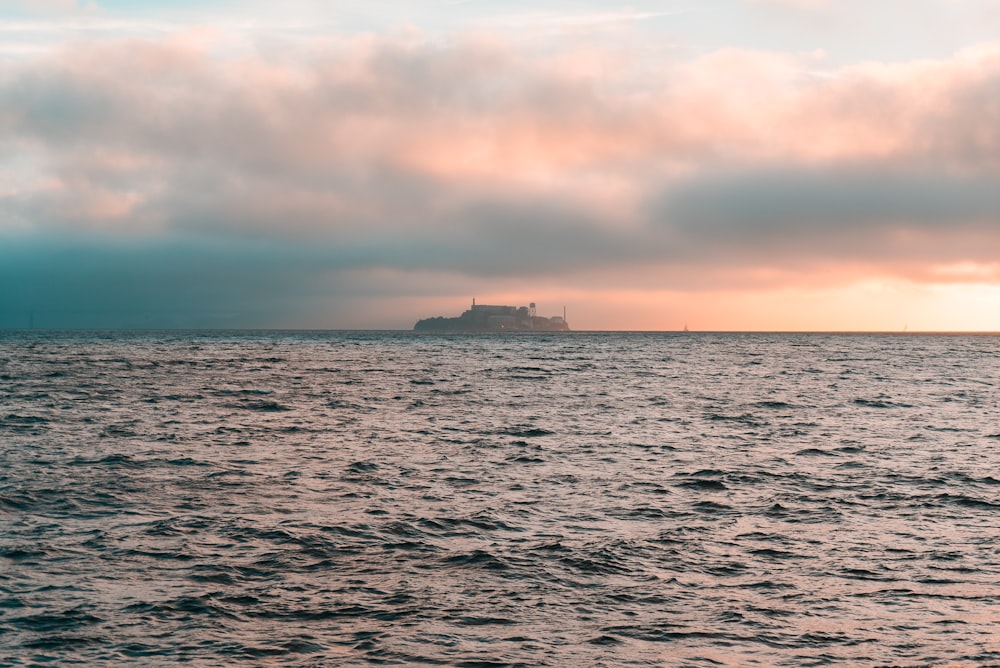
<point x="734" y="165"/>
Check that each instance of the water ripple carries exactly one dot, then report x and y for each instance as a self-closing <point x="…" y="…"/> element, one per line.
<point x="308" y="499"/>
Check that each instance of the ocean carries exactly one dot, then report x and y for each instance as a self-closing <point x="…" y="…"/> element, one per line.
<point x="569" y="499"/>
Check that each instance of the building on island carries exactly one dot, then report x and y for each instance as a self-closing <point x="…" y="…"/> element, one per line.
<point x="491" y="318"/>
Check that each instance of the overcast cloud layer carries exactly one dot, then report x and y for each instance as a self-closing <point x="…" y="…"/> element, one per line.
<point x="184" y="177"/>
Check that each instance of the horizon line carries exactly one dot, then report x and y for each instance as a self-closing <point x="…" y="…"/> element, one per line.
<point x="572" y="331"/>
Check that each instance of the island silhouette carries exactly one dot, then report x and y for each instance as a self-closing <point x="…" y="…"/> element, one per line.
<point x="495" y="318"/>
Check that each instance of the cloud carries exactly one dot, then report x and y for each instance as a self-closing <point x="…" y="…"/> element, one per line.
<point x="162" y="165"/>
<point x="46" y="5"/>
<point x="795" y="4"/>
<point x="903" y="222"/>
<point x="102" y="282"/>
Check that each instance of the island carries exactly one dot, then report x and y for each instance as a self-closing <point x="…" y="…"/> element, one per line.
<point x="491" y="318"/>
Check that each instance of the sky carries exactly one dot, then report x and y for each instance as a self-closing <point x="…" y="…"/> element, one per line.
<point x="767" y="165"/>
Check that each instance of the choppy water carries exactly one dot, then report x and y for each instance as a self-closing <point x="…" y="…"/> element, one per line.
<point x="565" y="500"/>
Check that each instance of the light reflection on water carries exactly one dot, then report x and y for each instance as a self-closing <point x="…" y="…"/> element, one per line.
<point x="582" y="499"/>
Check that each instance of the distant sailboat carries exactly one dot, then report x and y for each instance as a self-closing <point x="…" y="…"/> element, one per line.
<point x="686" y="327"/>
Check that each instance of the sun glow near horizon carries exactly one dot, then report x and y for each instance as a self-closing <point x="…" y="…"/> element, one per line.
<point x="884" y="305"/>
<point x="871" y="307"/>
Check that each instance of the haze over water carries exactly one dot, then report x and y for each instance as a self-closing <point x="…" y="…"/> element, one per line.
<point x="313" y="499"/>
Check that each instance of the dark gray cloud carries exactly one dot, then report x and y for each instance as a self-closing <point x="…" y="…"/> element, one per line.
<point x="843" y="213"/>
<point x="103" y="282"/>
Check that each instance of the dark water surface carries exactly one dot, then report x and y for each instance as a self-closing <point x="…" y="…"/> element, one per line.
<point x="321" y="499"/>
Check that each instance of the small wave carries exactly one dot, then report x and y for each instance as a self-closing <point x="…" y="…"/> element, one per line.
<point x="525" y="431"/>
<point x="704" y="485"/>
<point x="348" y="405"/>
<point x="21" y="553"/>
<point x="815" y="452"/>
<point x="161" y="555"/>
<point x="481" y="522"/>
<point x="175" y="526"/>
<point x="746" y="418"/>
<point x="118" y="431"/>
<point x="880" y="403"/>
<point x="485" y="621"/>
<point x="362" y="467"/>
<point x="477" y="559"/>
<point x="244" y="392"/>
<point x="642" y="513"/>
<point x="15" y="419"/>
<point x="769" y="585"/>
<point x="183" y="608"/>
<point x="712" y="508"/>
<point x="23" y="423"/>
<point x="865" y="574"/>
<point x="54" y="623"/>
<point x="554" y="546"/>
<point x="524" y="459"/>
<point x="63" y="641"/>
<point x="17" y="501"/>
<point x="461" y="481"/>
<point x="965" y="501"/>
<point x="115" y="460"/>
<point x="773" y="554"/>
<point x="52" y="502"/>
<point x="264" y="406"/>
<point x="703" y="473"/>
<point x="661" y="633"/>
<point x="704" y="480"/>
<point x="596" y="564"/>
